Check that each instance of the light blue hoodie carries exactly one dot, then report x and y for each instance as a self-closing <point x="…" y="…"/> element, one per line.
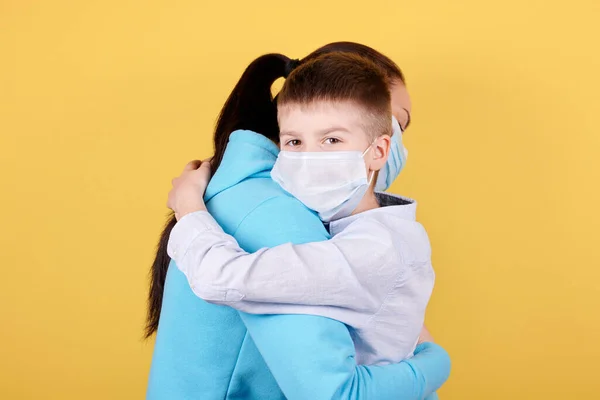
<point x="206" y="351"/>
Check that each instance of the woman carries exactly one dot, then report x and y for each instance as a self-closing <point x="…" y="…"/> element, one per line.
<point x="199" y="345"/>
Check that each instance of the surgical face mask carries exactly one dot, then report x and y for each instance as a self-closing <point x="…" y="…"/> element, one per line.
<point x="332" y="183"/>
<point x="396" y="159"/>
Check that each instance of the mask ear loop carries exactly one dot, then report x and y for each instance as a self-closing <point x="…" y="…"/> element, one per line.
<point x="370" y="180"/>
<point x="369" y="148"/>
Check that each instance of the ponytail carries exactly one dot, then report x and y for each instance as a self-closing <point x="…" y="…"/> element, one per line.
<point x="249" y="106"/>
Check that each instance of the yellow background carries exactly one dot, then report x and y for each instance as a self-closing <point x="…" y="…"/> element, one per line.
<point x="103" y="102"/>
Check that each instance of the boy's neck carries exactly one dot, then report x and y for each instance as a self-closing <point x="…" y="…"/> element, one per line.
<point x="368" y="202"/>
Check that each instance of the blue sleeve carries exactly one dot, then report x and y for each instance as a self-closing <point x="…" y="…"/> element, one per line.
<point x="313" y="357"/>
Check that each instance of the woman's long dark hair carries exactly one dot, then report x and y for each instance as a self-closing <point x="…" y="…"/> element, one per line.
<point x="250" y="106"/>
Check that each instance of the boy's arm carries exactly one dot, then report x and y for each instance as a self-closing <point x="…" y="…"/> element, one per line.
<point x="287" y="278"/>
<point x="313" y="357"/>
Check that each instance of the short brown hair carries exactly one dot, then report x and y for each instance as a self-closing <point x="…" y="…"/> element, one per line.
<point x="342" y="77"/>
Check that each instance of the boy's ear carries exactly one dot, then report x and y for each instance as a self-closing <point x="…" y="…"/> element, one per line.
<point x="381" y="149"/>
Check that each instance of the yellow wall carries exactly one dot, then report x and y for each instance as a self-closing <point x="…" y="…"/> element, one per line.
<point x="103" y="102"/>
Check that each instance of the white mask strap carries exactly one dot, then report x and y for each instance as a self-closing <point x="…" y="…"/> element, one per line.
<point x="365" y="153"/>
<point x="371" y="177"/>
<point x="369" y="148"/>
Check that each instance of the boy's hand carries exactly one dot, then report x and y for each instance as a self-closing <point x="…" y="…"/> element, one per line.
<point x="187" y="193"/>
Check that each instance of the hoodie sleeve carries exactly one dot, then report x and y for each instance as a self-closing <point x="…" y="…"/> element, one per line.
<point x="313" y="357"/>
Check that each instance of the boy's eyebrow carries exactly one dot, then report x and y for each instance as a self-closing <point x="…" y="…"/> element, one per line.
<point x="333" y="129"/>
<point x="321" y="132"/>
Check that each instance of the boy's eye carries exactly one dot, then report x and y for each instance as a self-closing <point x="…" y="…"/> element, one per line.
<point x="332" y="140"/>
<point x="293" y="142"/>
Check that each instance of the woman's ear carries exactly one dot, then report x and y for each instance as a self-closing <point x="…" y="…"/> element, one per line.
<point x="381" y="149"/>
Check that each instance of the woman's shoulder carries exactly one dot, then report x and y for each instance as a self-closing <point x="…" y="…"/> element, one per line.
<point x="266" y="196"/>
<point x="252" y="192"/>
<point x="257" y="202"/>
<point x="276" y="220"/>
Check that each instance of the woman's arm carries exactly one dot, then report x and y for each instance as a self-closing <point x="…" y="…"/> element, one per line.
<point x="313" y="357"/>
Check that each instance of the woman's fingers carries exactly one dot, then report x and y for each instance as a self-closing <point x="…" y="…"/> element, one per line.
<point x="206" y="165"/>
<point x="192" y="165"/>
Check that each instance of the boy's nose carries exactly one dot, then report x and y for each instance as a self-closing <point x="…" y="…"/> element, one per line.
<point x="313" y="147"/>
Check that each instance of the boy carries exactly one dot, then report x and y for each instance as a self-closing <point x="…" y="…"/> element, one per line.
<point x="375" y="273"/>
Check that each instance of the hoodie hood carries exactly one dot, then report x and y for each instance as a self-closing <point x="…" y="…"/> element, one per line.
<point x="248" y="154"/>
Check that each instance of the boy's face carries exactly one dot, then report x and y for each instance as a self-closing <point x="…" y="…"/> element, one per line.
<point x="327" y="126"/>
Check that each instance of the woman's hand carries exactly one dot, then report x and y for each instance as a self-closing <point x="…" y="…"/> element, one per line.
<point x="425" y="336"/>
<point x="187" y="194"/>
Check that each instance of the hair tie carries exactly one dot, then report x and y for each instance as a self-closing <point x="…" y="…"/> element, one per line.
<point x="290" y="65"/>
